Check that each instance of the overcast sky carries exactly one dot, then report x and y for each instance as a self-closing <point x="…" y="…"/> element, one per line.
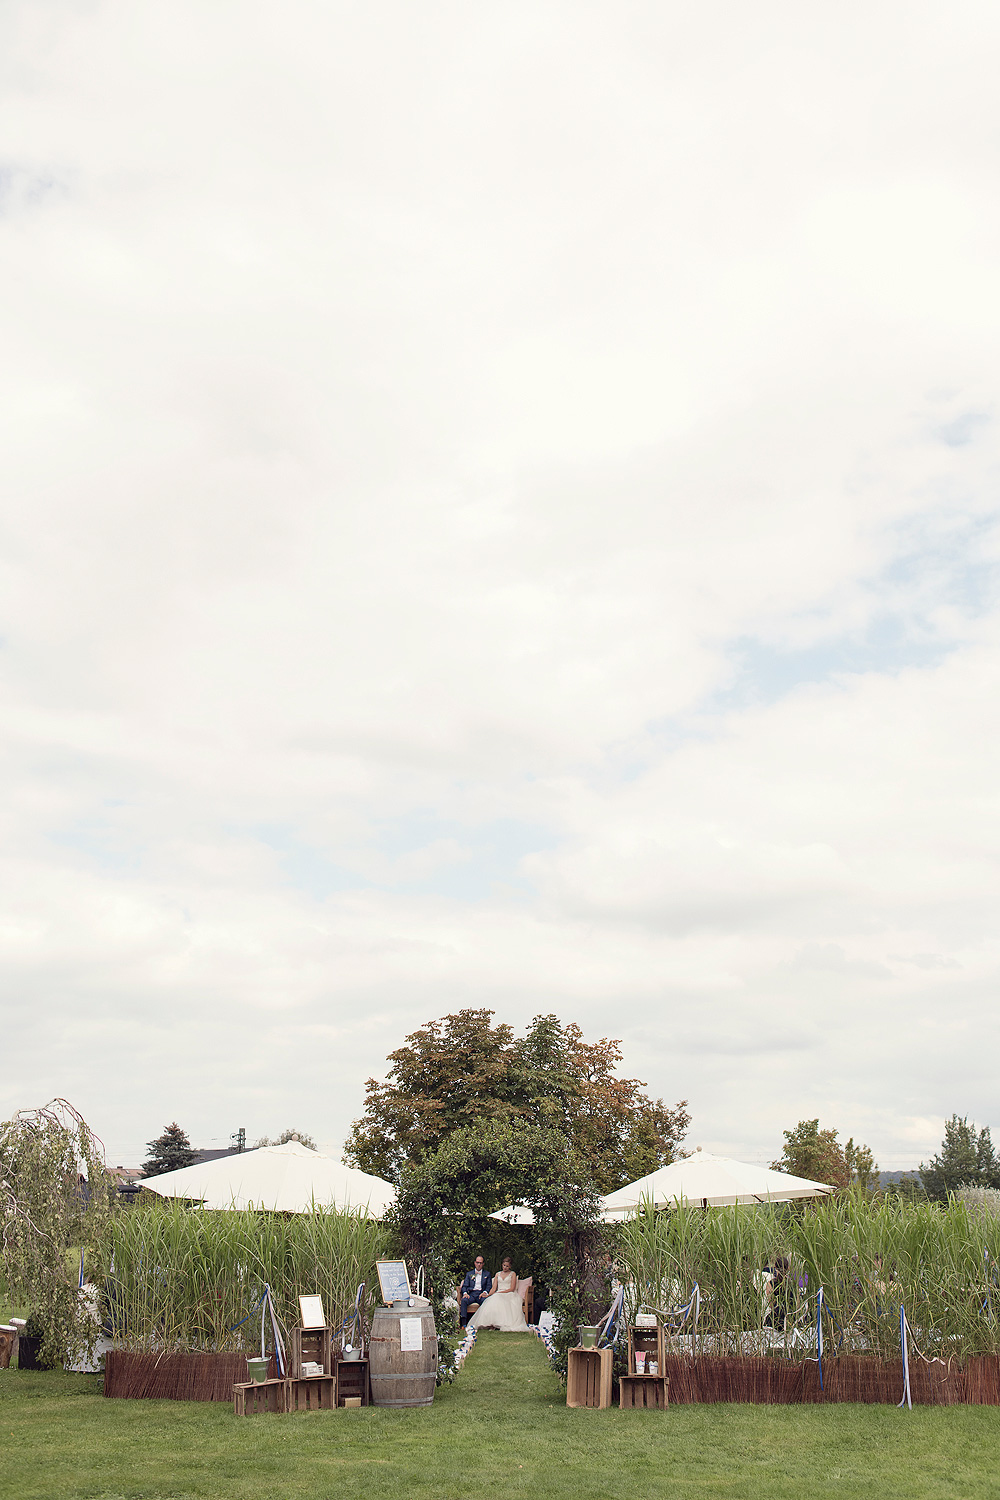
<point x="500" y="508"/>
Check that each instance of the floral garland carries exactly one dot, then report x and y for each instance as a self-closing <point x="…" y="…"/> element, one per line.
<point x="463" y="1351"/>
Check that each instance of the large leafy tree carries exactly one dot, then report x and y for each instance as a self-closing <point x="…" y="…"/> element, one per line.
<point x="443" y="1203"/>
<point x="967" y="1159"/>
<point x="169" y="1152"/>
<point x="463" y="1071"/>
<point x="55" y="1192"/>
<point x="818" y="1155"/>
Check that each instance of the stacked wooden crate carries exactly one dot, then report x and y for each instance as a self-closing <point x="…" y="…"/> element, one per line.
<point x="317" y="1380"/>
<point x="251" y="1398"/>
<point x="646" y="1391"/>
<point x="352" y="1382"/>
<point x="588" y="1378"/>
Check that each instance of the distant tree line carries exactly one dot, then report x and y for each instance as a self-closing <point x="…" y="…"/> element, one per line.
<point x="967" y="1158"/>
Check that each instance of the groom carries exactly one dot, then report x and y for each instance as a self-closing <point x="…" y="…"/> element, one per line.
<point x="475" y="1287"/>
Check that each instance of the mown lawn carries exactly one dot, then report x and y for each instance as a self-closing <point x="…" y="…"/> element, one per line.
<point x="502" y="1428"/>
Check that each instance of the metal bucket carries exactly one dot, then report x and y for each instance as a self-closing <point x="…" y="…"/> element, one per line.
<point x="588" y="1335"/>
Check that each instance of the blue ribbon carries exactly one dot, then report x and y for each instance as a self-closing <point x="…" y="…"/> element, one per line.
<point x="693" y="1301"/>
<point x="248" y="1316"/>
<point x="610" y="1320"/>
<point x="819" y="1334"/>
<point x="903" y="1330"/>
<point x="279" y="1352"/>
<point x="353" y="1318"/>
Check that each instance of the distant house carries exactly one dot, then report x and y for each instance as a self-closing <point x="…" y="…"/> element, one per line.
<point x="126" y="1180"/>
<point x="201" y="1156"/>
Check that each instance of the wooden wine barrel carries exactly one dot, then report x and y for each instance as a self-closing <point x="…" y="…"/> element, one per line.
<point x="402" y="1377"/>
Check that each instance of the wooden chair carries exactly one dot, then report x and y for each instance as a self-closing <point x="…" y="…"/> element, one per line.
<point x="473" y="1306"/>
<point x="525" y="1289"/>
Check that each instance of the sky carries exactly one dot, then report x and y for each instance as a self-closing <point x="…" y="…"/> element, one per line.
<point x="500" y="509"/>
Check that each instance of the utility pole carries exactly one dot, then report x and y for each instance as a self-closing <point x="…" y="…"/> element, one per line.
<point x="239" y="1140"/>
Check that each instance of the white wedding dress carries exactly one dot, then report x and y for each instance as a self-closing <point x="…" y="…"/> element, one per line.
<point x="502" y="1309"/>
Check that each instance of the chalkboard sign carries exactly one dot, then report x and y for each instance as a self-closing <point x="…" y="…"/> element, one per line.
<point x="393" y="1280"/>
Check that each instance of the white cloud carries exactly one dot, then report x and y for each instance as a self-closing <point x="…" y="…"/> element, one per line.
<point x="500" y="509"/>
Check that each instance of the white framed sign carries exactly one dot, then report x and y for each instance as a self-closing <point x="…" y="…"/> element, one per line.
<point x="394" y="1280"/>
<point x="311" y="1312"/>
<point x="411" y="1335"/>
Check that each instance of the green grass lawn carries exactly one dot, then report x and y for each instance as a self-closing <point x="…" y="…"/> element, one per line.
<point x="502" y="1428"/>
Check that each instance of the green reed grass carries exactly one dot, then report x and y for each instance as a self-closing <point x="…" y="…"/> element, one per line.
<point x="182" y="1278"/>
<point x="942" y="1263"/>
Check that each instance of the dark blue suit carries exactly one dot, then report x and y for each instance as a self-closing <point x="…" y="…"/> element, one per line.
<point x="469" y="1293"/>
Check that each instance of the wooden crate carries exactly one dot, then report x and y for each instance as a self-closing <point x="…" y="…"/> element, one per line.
<point x="250" y="1399"/>
<point x="645" y="1392"/>
<point x="650" y="1342"/>
<point x="313" y="1393"/>
<point x="588" y="1379"/>
<point x="352" y="1380"/>
<point x="314" y="1344"/>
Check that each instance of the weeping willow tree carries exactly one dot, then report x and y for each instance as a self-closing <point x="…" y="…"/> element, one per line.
<point x="940" y="1262"/>
<point x="55" y="1194"/>
<point x="192" y="1278"/>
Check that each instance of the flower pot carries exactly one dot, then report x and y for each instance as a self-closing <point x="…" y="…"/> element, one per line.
<point x="258" y="1369"/>
<point x="27" y="1353"/>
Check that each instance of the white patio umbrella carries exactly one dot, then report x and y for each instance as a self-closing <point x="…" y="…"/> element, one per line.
<point x="288" y="1178"/>
<point x="516" y="1213"/>
<point x="708" y="1181"/>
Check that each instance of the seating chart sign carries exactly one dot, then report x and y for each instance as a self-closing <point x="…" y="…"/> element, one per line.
<point x="393" y="1280"/>
<point x="411" y="1335"/>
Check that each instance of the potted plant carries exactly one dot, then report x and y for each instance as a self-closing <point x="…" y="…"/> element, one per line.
<point x="30" y="1343"/>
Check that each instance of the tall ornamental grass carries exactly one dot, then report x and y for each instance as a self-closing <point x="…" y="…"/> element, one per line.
<point x="941" y="1263"/>
<point x="183" y="1278"/>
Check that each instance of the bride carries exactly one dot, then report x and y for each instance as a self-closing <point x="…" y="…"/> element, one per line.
<point x="502" y="1308"/>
